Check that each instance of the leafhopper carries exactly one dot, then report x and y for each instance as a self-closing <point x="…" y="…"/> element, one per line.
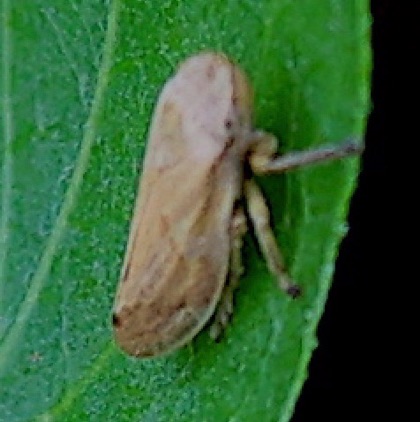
<point x="183" y="258"/>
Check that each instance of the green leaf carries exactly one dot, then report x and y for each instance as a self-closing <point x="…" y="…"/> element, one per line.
<point x="78" y="83"/>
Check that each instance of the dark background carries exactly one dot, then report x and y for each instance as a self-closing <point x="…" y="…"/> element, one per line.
<point x="340" y="382"/>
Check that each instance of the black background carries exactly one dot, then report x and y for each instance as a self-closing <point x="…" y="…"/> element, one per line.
<point x="340" y="382"/>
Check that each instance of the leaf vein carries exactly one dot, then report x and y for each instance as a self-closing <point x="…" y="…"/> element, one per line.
<point x="8" y="134"/>
<point x="41" y="274"/>
<point x="77" y="388"/>
<point x="66" y="53"/>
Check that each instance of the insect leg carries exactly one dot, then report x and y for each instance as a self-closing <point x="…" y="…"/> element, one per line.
<point x="225" y="307"/>
<point x="260" y="217"/>
<point x="264" y="159"/>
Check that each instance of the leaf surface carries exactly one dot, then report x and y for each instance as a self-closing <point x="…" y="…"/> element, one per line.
<point x="78" y="83"/>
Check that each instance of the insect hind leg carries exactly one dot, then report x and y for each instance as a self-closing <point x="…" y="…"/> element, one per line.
<point x="224" y="309"/>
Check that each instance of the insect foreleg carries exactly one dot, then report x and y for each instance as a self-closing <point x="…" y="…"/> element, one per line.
<point x="264" y="160"/>
<point x="260" y="217"/>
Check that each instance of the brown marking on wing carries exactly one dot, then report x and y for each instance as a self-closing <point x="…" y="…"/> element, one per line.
<point x="126" y="271"/>
<point x="116" y="321"/>
<point x="128" y="266"/>
<point x="169" y="107"/>
<point x="229" y="143"/>
<point x="211" y="72"/>
<point x="164" y="224"/>
<point x="228" y="123"/>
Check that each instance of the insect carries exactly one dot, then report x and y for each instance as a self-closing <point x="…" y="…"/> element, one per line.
<point x="183" y="258"/>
